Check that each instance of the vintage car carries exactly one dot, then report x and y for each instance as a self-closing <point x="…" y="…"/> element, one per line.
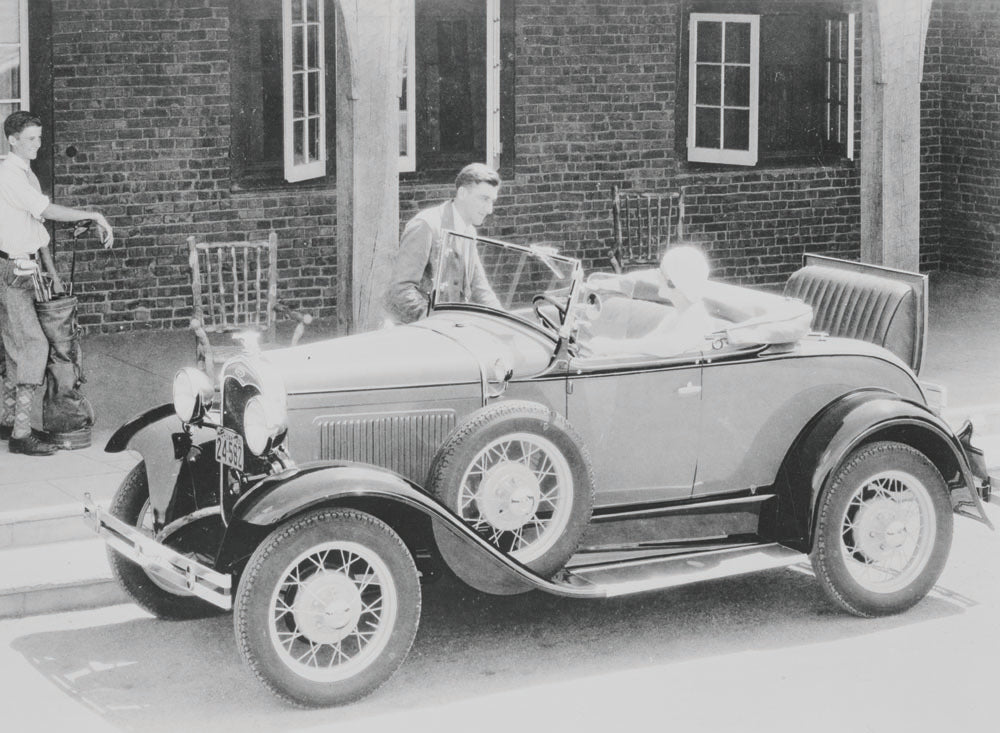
<point x="313" y="489"/>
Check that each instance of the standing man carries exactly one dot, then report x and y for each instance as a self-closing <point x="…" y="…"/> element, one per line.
<point x="463" y="279"/>
<point x="23" y="243"/>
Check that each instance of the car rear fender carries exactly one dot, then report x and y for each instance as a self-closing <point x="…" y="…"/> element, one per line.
<point x="278" y="498"/>
<point x="158" y="435"/>
<point x="861" y="417"/>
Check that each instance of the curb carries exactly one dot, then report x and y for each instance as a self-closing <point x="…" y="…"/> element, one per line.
<point x="42" y="525"/>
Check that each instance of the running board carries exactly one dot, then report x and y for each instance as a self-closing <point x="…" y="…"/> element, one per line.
<point x="656" y="573"/>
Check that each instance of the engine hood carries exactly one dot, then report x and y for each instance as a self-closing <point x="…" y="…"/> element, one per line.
<point x="392" y="357"/>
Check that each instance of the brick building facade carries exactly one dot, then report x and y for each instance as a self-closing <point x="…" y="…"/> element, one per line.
<point x="142" y="126"/>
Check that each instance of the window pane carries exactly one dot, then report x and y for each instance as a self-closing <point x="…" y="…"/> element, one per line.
<point x="707" y="132"/>
<point x="709" y="85"/>
<point x="299" y="130"/>
<point x="738" y="86"/>
<point x="313" y="138"/>
<point x="296" y="11"/>
<point x="298" y="63"/>
<point x="10" y="26"/>
<point x="738" y="42"/>
<point x="312" y="57"/>
<point x="298" y="96"/>
<point x="311" y="11"/>
<point x="841" y="30"/>
<point x="737" y="135"/>
<point x="709" y="41"/>
<point x="10" y="72"/>
<point x="314" y="82"/>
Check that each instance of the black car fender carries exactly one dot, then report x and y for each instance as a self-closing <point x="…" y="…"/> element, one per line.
<point x="860" y="417"/>
<point x="160" y="437"/>
<point x="278" y="498"/>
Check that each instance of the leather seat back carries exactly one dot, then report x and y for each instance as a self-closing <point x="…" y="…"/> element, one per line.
<point x="861" y="305"/>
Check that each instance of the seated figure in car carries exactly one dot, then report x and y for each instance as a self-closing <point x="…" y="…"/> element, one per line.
<point x="683" y="274"/>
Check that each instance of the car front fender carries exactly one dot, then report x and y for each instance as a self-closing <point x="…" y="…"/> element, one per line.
<point x="857" y="418"/>
<point x="276" y="499"/>
<point x="158" y="435"/>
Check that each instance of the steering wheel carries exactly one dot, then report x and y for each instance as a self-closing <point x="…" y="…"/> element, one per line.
<point x="546" y="321"/>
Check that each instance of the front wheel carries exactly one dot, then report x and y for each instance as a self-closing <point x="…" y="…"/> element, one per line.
<point x="327" y="608"/>
<point x="159" y="597"/>
<point x="883" y="530"/>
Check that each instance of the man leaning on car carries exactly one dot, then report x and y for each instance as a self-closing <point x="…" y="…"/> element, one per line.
<point x="463" y="279"/>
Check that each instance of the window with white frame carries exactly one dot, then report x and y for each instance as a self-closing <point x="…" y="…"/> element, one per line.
<point x="303" y="79"/>
<point x="13" y="60"/>
<point x="775" y="86"/>
<point x="723" y="75"/>
<point x="455" y="92"/>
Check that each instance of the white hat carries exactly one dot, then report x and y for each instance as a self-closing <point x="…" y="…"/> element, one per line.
<point x="685" y="269"/>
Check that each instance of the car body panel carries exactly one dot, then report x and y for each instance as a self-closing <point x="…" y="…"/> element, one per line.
<point x="603" y="405"/>
<point x="755" y="407"/>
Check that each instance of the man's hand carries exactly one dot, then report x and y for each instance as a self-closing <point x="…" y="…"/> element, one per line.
<point x="107" y="235"/>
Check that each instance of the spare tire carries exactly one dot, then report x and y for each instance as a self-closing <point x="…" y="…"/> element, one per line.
<point x="519" y="475"/>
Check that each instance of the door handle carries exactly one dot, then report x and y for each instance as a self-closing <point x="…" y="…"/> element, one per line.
<point x="689" y="389"/>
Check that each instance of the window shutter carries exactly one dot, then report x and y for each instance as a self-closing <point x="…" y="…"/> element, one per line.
<point x="303" y="67"/>
<point x="723" y="92"/>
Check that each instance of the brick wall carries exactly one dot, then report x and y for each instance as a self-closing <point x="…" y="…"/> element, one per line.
<point x="966" y="64"/>
<point x="142" y="91"/>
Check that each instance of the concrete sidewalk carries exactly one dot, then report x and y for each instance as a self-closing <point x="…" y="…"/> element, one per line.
<point x="127" y="373"/>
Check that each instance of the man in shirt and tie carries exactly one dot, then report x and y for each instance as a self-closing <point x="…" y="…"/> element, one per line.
<point x="23" y="243"/>
<point x="462" y="279"/>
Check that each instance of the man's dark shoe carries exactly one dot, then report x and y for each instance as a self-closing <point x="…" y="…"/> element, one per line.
<point x="31" y="446"/>
<point x="5" y="431"/>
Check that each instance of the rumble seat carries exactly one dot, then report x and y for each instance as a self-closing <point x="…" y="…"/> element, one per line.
<point x="849" y="299"/>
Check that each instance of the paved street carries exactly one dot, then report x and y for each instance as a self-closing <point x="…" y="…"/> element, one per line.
<point x="762" y="652"/>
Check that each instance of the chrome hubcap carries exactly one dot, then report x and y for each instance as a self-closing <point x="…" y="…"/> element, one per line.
<point x="508" y="495"/>
<point x="328" y="607"/>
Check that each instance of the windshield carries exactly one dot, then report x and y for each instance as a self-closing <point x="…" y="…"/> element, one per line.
<point x="504" y="276"/>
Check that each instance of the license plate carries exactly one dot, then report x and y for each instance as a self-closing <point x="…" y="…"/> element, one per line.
<point x="229" y="448"/>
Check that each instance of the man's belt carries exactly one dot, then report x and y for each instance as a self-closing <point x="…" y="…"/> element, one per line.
<point x="5" y="256"/>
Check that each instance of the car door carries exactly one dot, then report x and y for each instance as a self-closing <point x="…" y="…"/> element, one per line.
<point x="640" y="419"/>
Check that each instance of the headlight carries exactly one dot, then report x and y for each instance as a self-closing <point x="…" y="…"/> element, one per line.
<point x="192" y="393"/>
<point x="263" y="421"/>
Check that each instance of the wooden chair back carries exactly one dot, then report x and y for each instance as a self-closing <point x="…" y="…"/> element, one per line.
<point x="234" y="285"/>
<point x="645" y="225"/>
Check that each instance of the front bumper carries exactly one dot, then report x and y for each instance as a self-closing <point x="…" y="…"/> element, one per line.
<point x="169" y="566"/>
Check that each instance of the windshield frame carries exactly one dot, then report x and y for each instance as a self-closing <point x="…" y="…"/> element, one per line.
<point x="541" y="253"/>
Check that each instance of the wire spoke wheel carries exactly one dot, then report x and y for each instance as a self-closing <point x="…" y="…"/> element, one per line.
<point x="887" y="532"/>
<point x="327" y="607"/>
<point x="517" y="494"/>
<point x="883" y="530"/>
<point x="333" y="612"/>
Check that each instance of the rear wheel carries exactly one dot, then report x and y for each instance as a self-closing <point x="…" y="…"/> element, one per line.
<point x="327" y="608"/>
<point x="883" y="530"/>
<point x="160" y="598"/>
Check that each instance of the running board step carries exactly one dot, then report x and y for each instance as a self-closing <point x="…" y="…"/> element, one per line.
<point x="656" y="573"/>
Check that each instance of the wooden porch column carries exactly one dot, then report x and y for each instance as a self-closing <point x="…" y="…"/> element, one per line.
<point x="894" y="33"/>
<point x="368" y="87"/>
